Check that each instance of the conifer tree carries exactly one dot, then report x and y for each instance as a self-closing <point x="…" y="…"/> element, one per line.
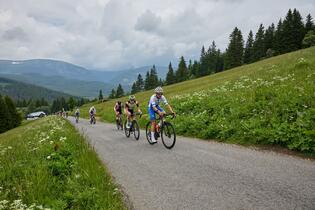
<point x="269" y="37"/>
<point x="170" y="77"/>
<point x="4" y="116"/>
<point x="100" y="95"/>
<point x="234" y="52"/>
<point x="15" y="116"/>
<point x="182" y="71"/>
<point x="134" y="88"/>
<point x="147" y="81"/>
<point x="119" y="91"/>
<point x="139" y="83"/>
<point x="112" y="94"/>
<point x="248" y="52"/>
<point x="309" y="25"/>
<point x="259" y="50"/>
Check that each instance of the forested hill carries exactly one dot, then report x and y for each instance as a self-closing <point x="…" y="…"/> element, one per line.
<point x="19" y="91"/>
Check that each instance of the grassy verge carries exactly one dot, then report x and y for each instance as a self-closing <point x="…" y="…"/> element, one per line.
<point x="47" y="164"/>
<point x="271" y="102"/>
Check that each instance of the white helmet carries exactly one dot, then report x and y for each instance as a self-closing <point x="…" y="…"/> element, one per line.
<point x="158" y="90"/>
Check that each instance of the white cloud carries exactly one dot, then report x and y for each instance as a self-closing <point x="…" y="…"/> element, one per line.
<point x="111" y="34"/>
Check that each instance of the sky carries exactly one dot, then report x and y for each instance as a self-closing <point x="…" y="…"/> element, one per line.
<point x="120" y="34"/>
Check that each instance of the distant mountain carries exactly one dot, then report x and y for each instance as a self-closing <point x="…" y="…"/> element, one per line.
<point x="19" y="91"/>
<point x="71" y="79"/>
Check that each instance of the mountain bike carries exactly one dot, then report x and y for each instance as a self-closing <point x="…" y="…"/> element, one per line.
<point x="92" y="119"/>
<point x="134" y="127"/>
<point x="76" y="118"/>
<point x="119" y="122"/>
<point x="163" y="129"/>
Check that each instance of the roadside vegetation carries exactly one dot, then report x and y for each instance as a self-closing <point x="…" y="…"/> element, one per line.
<point x="269" y="102"/>
<point x="46" y="164"/>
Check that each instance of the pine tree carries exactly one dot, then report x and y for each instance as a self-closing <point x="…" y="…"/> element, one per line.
<point x="195" y="69"/>
<point x="15" y="116"/>
<point x="234" y="52"/>
<point x="112" y="94"/>
<point x="220" y="61"/>
<point x="170" y="77"/>
<point x="134" y="88"/>
<point x="259" y="50"/>
<point x="71" y="103"/>
<point x="298" y="29"/>
<point x="309" y="25"/>
<point x="182" y="71"/>
<point x="139" y="83"/>
<point x="147" y="81"/>
<point x="248" y="52"/>
<point x="4" y="116"/>
<point x="100" y="95"/>
<point x="269" y="38"/>
<point x="278" y="39"/>
<point x="203" y="63"/>
<point x="119" y="91"/>
<point x="154" y="80"/>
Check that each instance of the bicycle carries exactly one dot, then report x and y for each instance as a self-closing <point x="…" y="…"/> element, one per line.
<point x="134" y="127"/>
<point x="76" y="118"/>
<point x="92" y="119"/>
<point x="163" y="129"/>
<point x="119" y="122"/>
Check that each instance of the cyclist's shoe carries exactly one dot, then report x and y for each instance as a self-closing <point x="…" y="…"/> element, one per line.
<point x="156" y="135"/>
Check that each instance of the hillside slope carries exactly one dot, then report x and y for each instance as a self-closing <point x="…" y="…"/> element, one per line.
<point x="268" y="102"/>
<point x="19" y="91"/>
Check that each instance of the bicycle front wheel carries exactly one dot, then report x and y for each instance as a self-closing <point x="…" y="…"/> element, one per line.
<point x="127" y="130"/>
<point x="135" y="129"/>
<point x="168" y="135"/>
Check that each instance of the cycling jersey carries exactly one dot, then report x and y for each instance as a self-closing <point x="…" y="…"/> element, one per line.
<point x="154" y="101"/>
<point x="118" y="108"/>
<point x="131" y="106"/>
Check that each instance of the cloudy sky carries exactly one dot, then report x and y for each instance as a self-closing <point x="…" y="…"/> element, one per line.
<point x="117" y="34"/>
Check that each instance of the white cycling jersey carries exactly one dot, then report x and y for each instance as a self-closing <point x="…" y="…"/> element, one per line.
<point x="154" y="101"/>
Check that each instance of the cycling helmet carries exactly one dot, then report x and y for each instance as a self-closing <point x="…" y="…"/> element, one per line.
<point x="158" y="90"/>
<point x="132" y="97"/>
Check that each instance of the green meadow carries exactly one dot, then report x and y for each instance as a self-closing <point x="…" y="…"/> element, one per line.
<point x="46" y="164"/>
<point x="270" y="102"/>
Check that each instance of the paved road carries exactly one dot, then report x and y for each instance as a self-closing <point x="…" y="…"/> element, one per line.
<point x="197" y="174"/>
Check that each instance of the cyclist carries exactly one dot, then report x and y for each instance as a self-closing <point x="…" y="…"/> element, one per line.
<point x="154" y="108"/>
<point x="129" y="109"/>
<point x="77" y="113"/>
<point x="92" y="112"/>
<point x="118" y="110"/>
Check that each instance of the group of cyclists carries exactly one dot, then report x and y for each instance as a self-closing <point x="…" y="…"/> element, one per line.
<point x="129" y="109"/>
<point x="153" y="109"/>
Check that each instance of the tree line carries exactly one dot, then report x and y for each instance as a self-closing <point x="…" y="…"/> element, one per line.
<point x="288" y="35"/>
<point x="9" y="116"/>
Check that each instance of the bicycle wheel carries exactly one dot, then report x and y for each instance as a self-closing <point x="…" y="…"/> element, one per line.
<point x="121" y="124"/>
<point x="127" y="130"/>
<point x="135" y="129"/>
<point x="117" y="124"/>
<point x="168" y="135"/>
<point x="148" y="132"/>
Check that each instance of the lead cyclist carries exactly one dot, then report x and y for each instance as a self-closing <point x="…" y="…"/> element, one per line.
<point x="154" y="108"/>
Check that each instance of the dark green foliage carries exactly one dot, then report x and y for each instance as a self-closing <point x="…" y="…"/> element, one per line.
<point x="9" y="117"/>
<point x="15" y="117"/>
<point x="112" y="94"/>
<point x="269" y="38"/>
<point x="309" y="39"/>
<point x="234" y="52"/>
<point x="248" y="52"/>
<point x="100" y="95"/>
<point x="22" y="91"/>
<point x="151" y="79"/>
<point x="71" y="103"/>
<point x="139" y="83"/>
<point x="170" y="77"/>
<point x="259" y="49"/>
<point x="182" y="71"/>
<point x="278" y="39"/>
<point x="119" y="91"/>
<point x="309" y="25"/>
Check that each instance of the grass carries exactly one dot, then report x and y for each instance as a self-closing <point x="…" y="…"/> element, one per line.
<point x="46" y="164"/>
<point x="271" y="102"/>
